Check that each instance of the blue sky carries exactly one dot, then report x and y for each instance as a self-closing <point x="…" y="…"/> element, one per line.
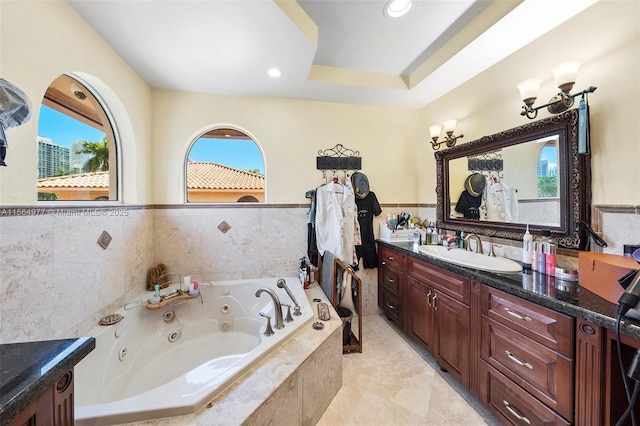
<point x="240" y="154"/>
<point x="63" y="130"/>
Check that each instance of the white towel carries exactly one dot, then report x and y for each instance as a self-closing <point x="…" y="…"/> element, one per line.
<point x="346" y="298"/>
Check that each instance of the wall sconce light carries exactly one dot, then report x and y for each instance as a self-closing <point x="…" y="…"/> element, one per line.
<point x="565" y="75"/>
<point x="449" y="138"/>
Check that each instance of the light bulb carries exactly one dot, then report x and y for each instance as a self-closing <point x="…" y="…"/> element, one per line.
<point x="529" y="90"/>
<point x="566" y="75"/>
<point x="434" y="131"/>
<point x="450" y="126"/>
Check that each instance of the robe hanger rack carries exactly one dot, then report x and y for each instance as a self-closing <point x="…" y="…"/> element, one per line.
<point x="487" y="162"/>
<point x="338" y="158"/>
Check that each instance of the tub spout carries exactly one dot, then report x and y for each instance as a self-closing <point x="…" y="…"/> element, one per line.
<point x="276" y="305"/>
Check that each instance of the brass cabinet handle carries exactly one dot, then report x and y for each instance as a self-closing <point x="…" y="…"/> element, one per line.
<point x="433" y="301"/>
<point x="517" y="315"/>
<point x="515" y="413"/>
<point x="517" y="361"/>
<point x="391" y="306"/>
<point x="429" y="299"/>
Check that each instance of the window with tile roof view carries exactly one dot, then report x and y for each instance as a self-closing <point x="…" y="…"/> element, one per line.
<point x="225" y="166"/>
<point x="76" y="145"/>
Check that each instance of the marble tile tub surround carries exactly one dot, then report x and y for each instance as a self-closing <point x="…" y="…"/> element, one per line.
<point x="56" y="281"/>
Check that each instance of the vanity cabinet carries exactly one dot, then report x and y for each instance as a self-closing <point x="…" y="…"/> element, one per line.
<point x="391" y="284"/>
<point x="529" y="364"/>
<point x="53" y="408"/>
<point x="440" y="315"/>
<point x="526" y="362"/>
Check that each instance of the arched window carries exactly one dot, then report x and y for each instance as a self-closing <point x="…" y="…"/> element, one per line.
<point x="225" y="166"/>
<point x="76" y="145"/>
<point x="548" y="170"/>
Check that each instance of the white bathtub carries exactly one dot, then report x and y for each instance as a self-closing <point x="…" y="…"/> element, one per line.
<point x="150" y="365"/>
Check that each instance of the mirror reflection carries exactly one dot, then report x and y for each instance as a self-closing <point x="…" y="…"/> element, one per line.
<point x="518" y="183"/>
<point x="529" y="175"/>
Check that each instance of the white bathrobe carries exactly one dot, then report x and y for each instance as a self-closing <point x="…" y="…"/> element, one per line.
<point x="335" y="220"/>
<point x="501" y="202"/>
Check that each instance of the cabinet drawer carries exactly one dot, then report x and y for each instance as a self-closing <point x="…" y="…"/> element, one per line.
<point x="392" y="307"/>
<point x="391" y="280"/>
<point x="453" y="285"/>
<point x="539" y="370"/>
<point x="552" y="329"/>
<point x="510" y="403"/>
<point x="392" y="258"/>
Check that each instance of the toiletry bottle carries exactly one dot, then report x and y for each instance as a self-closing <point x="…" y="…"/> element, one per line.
<point x="304" y="273"/>
<point x="534" y="255"/>
<point x="541" y="258"/>
<point x="551" y="259"/>
<point x="527" y="243"/>
<point x="544" y="250"/>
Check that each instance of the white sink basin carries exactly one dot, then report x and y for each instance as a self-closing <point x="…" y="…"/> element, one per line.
<point x="470" y="259"/>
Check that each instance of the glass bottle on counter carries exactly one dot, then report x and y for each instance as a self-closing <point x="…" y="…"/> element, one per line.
<point x="546" y="258"/>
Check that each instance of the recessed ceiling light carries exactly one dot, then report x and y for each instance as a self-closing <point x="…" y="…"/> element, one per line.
<point x="397" y="8"/>
<point x="274" y="72"/>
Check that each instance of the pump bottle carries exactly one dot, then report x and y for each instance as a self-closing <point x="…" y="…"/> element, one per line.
<point x="527" y="248"/>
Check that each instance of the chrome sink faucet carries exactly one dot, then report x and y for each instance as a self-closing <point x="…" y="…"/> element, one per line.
<point x="276" y="306"/>
<point x="478" y="243"/>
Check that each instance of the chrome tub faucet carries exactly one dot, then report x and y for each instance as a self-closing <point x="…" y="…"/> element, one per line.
<point x="276" y="305"/>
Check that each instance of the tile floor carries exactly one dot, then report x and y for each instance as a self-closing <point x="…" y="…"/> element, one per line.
<point x="395" y="382"/>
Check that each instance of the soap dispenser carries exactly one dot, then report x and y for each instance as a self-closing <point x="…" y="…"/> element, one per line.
<point x="527" y="249"/>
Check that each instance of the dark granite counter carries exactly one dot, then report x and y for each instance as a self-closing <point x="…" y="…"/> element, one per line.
<point x="562" y="296"/>
<point x="28" y="370"/>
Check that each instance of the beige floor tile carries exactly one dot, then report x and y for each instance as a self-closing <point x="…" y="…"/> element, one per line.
<point x="395" y="382"/>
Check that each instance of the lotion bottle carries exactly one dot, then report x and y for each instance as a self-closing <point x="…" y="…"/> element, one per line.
<point x="551" y="260"/>
<point x="527" y="249"/>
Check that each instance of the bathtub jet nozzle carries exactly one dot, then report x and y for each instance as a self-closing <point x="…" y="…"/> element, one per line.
<point x="281" y="283"/>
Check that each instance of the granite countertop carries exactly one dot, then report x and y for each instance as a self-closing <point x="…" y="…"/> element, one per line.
<point x="562" y="296"/>
<point x="29" y="369"/>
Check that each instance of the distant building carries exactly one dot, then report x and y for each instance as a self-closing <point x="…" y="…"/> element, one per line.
<point x="543" y="166"/>
<point x="77" y="161"/>
<point x="52" y="158"/>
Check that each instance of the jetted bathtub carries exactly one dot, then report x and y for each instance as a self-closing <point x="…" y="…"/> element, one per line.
<point x="174" y="360"/>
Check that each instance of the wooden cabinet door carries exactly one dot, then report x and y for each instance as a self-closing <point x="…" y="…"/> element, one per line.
<point x="422" y="314"/>
<point x="453" y="334"/>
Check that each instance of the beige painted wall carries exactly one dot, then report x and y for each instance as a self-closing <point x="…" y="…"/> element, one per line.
<point x="39" y="40"/>
<point x="606" y="39"/>
<point x="290" y="134"/>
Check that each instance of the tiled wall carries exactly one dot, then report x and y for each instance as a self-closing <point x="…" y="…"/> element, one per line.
<point x="56" y="281"/>
<point x="617" y="225"/>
